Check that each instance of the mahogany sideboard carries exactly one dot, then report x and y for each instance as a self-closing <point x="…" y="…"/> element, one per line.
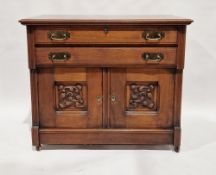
<point x="106" y="80"/>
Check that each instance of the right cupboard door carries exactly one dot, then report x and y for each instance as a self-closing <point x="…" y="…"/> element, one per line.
<point x="141" y="98"/>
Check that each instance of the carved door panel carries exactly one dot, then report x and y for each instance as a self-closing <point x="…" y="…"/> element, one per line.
<point x="141" y="98"/>
<point x="70" y="97"/>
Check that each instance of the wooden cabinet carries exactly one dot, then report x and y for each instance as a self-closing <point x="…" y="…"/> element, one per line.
<point x="106" y="80"/>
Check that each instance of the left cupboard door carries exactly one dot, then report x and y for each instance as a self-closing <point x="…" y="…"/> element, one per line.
<point x="70" y="97"/>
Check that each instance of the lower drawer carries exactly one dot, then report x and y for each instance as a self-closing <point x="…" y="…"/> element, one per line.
<point x="106" y="56"/>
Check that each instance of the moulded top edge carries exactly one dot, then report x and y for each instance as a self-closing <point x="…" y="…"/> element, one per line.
<point x="85" y="20"/>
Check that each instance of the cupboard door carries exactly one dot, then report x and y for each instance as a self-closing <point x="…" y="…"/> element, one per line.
<point x="70" y="97"/>
<point x="141" y="98"/>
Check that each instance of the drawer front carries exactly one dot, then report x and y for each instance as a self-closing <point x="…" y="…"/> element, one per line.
<point x="106" y="56"/>
<point x="106" y="34"/>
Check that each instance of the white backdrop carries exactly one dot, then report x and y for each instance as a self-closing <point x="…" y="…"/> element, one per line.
<point x="198" y="153"/>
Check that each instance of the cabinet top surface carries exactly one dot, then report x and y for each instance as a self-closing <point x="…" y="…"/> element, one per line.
<point x="132" y="19"/>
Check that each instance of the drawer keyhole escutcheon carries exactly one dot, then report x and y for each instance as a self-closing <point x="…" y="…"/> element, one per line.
<point x="59" y="56"/>
<point x="106" y="29"/>
<point x="113" y="98"/>
<point x="58" y="35"/>
<point x="98" y="98"/>
<point x="153" y="36"/>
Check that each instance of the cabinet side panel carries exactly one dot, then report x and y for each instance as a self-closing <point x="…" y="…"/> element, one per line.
<point x="181" y="47"/>
<point x="178" y="86"/>
<point x="34" y="97"/>
<point x="31" y="47"/>
<point x="178" y="97"/>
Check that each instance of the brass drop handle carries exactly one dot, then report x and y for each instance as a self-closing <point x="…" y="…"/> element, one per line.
<point x="58" y="35"/>
<point x="113" y="98"/>
<point x="153" y="36"/>
<point x="59" y="56"/>
<point x="152" y="56"/>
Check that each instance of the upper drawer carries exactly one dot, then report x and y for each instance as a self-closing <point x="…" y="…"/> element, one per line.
<point x="106" y="35"/>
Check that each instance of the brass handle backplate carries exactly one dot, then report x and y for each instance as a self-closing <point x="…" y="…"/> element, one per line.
<point x="58" y="35"/>
<point x="59" y="56"/>
<point x="153" y="36"/>
<point x="152" y="56"/>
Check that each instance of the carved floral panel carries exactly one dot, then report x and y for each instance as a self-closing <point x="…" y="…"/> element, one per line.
<point x="71" y="97"/>
<point x="142" y="96"/>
